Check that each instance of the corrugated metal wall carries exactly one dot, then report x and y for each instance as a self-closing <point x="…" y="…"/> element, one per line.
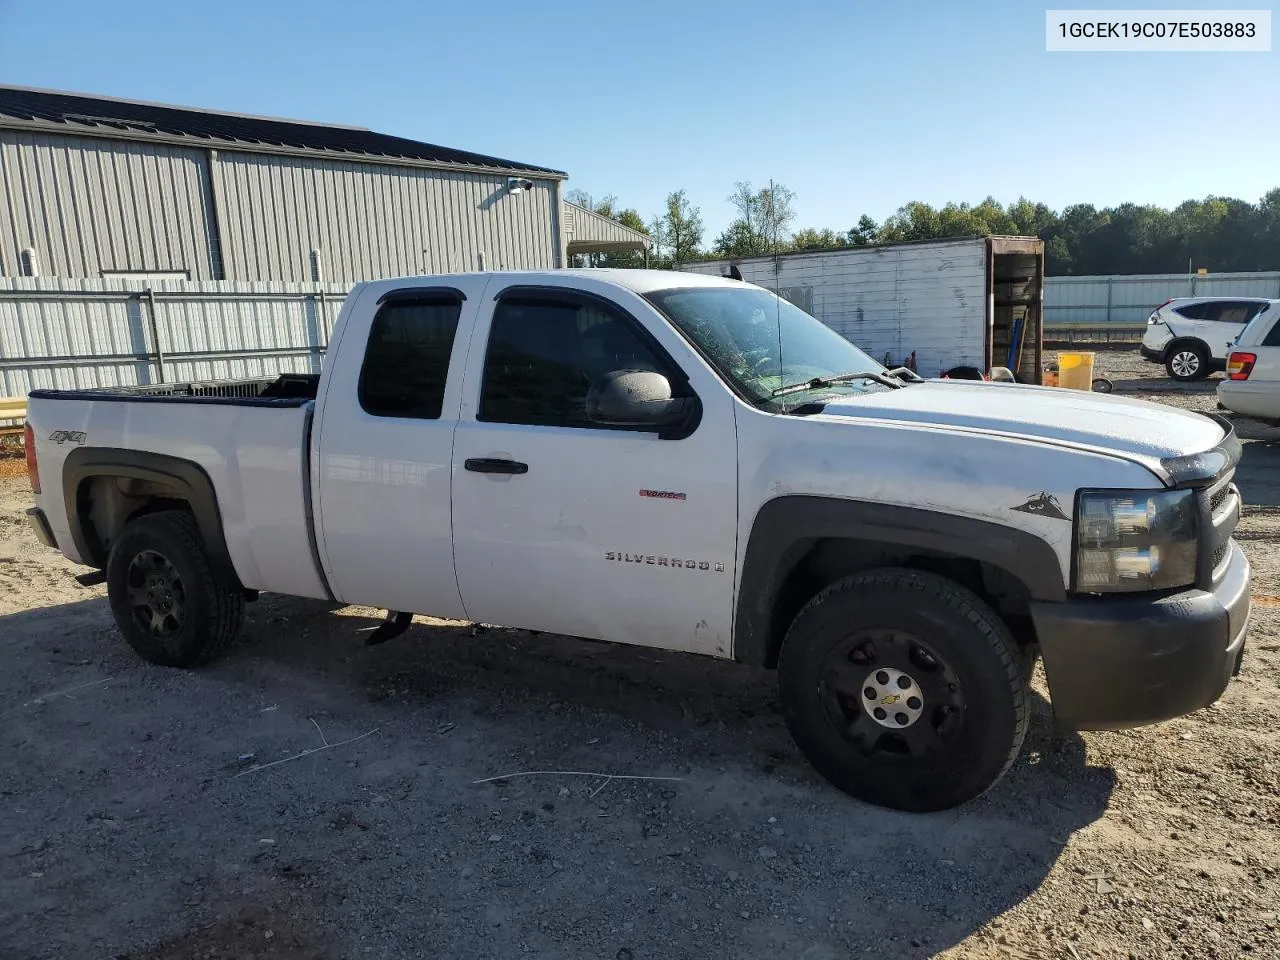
<point x="86" y="205"/>
<point x="930" y="298"/>
<point x="87" y="333"/>
<point x="371" y="221"/>
<point x="1127" y="300"/>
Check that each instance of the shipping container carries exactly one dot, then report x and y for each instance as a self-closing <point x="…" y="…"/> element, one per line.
<point x="974" y="301"/>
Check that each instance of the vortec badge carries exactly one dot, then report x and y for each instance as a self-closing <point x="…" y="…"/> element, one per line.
<point x="67" y="436"/>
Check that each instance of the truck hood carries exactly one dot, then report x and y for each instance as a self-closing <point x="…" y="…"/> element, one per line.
<point x="1136" y="428"/>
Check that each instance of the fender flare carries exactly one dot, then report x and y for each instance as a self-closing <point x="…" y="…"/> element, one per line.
<point x="786" y="527"/>
<point x="187" y="478"/>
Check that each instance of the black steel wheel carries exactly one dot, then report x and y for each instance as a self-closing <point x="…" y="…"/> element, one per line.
<point x="169" y="601"/>
<point x="891" y="695"/>
<point x="904" y="689"/>
<point x="156" y="595"/>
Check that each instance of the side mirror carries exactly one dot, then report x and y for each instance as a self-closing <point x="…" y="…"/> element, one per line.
<point x="636" y="398"/>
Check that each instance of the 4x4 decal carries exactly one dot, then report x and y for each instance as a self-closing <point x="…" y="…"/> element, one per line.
<point x="1042" y="505"/>
<point x="68" y="436"/>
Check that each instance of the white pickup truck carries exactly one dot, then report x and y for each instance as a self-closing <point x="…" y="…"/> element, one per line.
<point x="691" y="463"/>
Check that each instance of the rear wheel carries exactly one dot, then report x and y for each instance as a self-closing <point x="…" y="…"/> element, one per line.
<point x="1187" y="361"/>
<point x="167" y="598"/>
<point x="904" y="689"/>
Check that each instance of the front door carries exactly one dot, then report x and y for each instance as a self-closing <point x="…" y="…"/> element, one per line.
<point x="567" y="526"/>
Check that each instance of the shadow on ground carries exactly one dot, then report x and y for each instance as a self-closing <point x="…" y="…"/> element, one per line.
<point x="359" y="830"/>
<point x="1258" y="474"/>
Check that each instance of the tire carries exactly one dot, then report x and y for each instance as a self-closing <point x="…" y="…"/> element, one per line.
<point x="188" y="613"/>
<point x="964" y="729"/>
<point x="1102" y="385"/>
<point x="1187" y="361"/>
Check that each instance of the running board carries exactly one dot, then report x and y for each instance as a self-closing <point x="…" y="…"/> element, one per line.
<point x="91" y="579"/>
<point x="397" y="622"/>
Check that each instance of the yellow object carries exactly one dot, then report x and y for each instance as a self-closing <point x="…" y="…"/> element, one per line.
<point x="1075" y="371"/>
<point x="13" y="414"/>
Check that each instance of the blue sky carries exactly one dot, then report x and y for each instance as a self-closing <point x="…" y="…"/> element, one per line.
<point x="857" y="106"/>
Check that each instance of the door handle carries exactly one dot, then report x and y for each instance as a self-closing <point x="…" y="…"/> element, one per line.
<point x="495" y="465"/>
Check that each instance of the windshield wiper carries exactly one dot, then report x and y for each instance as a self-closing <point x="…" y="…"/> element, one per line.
<point x="818" y="382"/>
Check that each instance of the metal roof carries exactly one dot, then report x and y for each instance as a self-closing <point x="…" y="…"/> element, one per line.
<point x="591" y="232"/>
<point x="88" y="114"/>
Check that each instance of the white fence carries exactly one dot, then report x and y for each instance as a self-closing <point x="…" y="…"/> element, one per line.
<point x="94" y="333"/>
<point x="1126" y="301"/>
<point x="89" y="333"/>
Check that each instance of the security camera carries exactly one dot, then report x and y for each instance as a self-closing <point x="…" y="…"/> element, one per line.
<point x="518" y="184"/>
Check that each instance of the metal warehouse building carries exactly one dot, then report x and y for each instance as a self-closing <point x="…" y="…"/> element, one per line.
<point x="92" y="187"/>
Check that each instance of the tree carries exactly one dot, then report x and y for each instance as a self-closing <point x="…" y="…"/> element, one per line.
<point x="604" y="206"/>
<point x="810" y="239"/>
<point x="776" y="213"/>
<point x="680" y="228"/>
<point x="865" y="233"/>
<point x="764" y="217"/>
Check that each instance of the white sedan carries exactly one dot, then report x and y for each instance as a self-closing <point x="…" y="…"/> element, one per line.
<point x="1252" y="384"/>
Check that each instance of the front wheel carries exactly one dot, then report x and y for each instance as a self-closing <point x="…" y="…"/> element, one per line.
<point x="904" y="689"/>
<point x="168" y="600"/>
<point x="1187" y="362"/>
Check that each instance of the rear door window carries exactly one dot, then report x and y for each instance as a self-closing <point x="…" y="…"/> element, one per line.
<point x="1234" y="311"/>
<point x="407" y="357"/>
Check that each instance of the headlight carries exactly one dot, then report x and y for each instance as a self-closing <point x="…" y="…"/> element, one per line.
<point x="1135" y="540"/>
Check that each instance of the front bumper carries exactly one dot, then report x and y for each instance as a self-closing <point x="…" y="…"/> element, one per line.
<point x="1116" y="663"/>
<point x="39" y="524"/>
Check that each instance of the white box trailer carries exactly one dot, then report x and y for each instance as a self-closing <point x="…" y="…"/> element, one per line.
<point x="974" y="301"/>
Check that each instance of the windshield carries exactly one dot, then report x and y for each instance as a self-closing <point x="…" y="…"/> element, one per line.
<point x="737" y="329"/>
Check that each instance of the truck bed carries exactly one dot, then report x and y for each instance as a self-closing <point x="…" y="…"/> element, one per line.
<point x="250" y="437"/>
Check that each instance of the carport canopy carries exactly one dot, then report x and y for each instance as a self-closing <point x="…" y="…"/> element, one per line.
<point x="591" y="232"/>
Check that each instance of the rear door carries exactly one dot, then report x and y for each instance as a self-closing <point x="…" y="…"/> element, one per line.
<point x="1224" y="321"/>
<point x="569" y="526"/>
<point x="384" y="453"/>
<point x="1267" y="366"/>
<point x="1194" y="321"/>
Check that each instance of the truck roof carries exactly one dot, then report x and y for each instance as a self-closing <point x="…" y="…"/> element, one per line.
<point x="637" y="281"/>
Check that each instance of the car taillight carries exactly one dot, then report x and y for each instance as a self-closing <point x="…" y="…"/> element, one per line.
<point x="1240" y="365"/>
<point x="33" y="469"/>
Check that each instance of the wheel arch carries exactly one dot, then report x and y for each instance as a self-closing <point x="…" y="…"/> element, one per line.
<point x="130" y="483"/>
<point x="800" y="544"/>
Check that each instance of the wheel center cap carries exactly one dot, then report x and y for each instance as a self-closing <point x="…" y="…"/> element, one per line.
<point x="892" y="698"/>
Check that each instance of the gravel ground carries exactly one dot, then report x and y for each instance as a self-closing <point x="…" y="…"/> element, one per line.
<point x="308" y="797"/>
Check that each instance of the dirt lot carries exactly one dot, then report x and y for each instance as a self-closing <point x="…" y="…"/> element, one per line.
<point x="308" y="797"/>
